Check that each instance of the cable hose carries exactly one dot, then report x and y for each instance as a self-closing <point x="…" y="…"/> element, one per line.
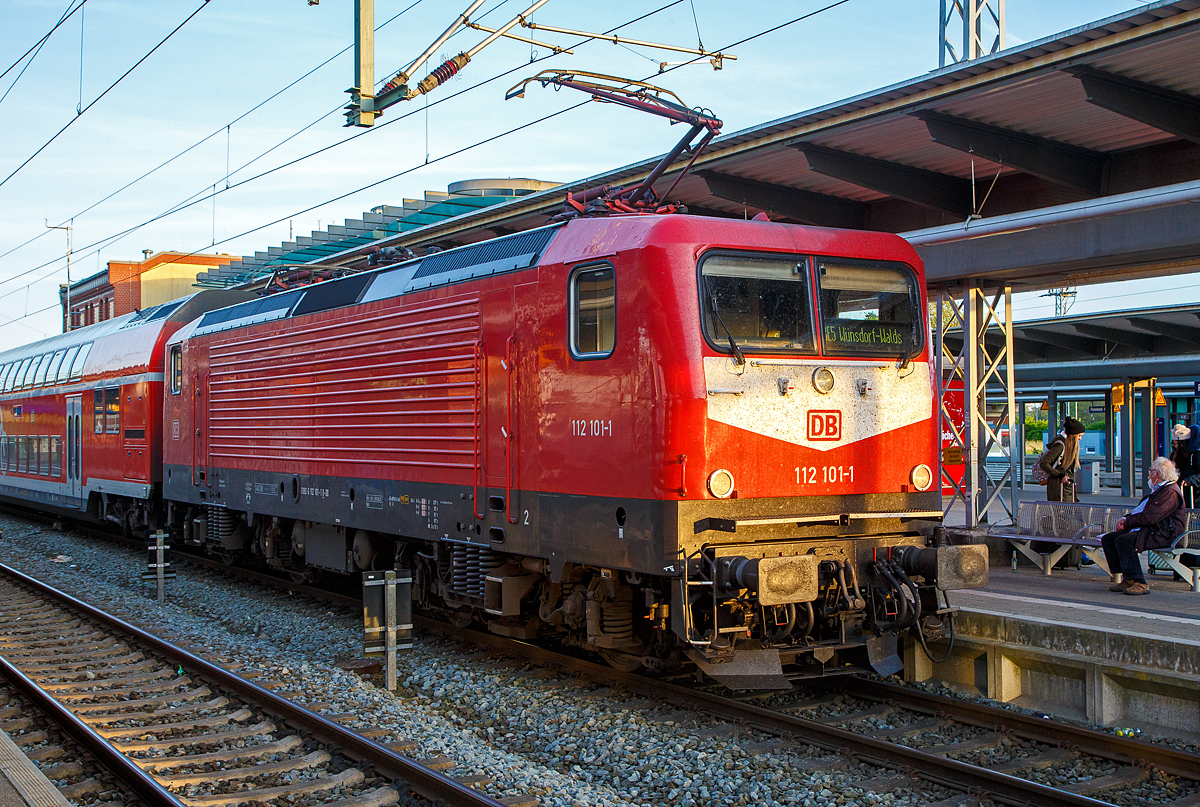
<point x="925" y="645"/>
<point x="911" y="586"/>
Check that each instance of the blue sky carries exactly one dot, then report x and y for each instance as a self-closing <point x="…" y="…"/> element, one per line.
<point x="230" y="57"/>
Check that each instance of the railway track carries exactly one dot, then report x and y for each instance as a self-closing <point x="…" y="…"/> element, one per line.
<point x="973" y="749"/>
<point x="178" y="729"/>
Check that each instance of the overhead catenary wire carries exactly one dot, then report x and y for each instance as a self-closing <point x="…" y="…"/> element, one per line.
<point x="79" y="114"/>
<point x="216" y="132"/>
<point x="202" y="195"/>
<point x="456" y="152"/>
<point x="36" y="48"/>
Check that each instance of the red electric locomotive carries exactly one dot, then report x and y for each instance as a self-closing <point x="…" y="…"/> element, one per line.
<point x="81" y="413"/>
<point x="651" y="436"/>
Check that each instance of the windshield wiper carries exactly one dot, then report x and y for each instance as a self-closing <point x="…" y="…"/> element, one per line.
<point x="906" y="356"/>
<point x="737" y="351"/>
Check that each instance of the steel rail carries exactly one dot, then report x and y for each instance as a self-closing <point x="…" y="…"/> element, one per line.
<point x="1089" y="741"/>
<point x="943" y="771"/>
<point x="426" y="782"/>
<point x="126" y="771"/>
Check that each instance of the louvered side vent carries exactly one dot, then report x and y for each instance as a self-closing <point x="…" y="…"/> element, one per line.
<point x="486" y="258"/>
<point x="373" y="396"/>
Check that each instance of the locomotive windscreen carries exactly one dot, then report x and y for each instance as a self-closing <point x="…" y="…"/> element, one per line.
<point x="868" y="308"/>
<point x="761" y="302"/>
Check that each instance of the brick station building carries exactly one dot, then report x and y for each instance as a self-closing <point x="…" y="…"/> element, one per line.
<point x="126" y="286"/>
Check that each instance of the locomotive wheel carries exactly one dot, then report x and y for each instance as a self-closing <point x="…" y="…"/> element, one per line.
<point x="622" y="662"/>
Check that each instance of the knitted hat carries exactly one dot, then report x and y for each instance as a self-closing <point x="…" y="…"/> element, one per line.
<point x="1073" y="426"/>
<point x="1181" y="432"/>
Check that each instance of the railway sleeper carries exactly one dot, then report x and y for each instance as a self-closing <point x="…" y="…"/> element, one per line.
<point x="161" y="700"/>
<point x="79" y="790"/>
<point x="379" y="797"/>
<point x="988" y="739"/>
<point x="115" y="717"/>
<point x="45" y="753"/>
<point x="31" y="738"/>
<point x="855" y="717"/>
<point x="1125" y="775"/>
<point x="882" y="784"/>
<point x="1046" y="759"/>
<point x="34" y="669"/>
<point x="908" y="730"/>
<point x="287" y="744"/>
<point x="64" y="770"/>
<point x="189" y="725"/>
<point x="105" y="672"/>
<point x="212" y="737"/>
<point x="351" y="776"/>
<point x="99" y="685"/>
<point x="307" y="762"/>
<point x="161" y="686"/>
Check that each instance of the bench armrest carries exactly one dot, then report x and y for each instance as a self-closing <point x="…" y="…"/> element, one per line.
<point x="1187" y="540"/>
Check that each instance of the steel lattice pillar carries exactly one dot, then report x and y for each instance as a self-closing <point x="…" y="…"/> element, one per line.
<point x="981" y="20"/>
<point x="989" y="422"/>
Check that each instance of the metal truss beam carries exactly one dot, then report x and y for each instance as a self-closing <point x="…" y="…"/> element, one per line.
<point x="988" y="417"/>
<point x="819" y="209"/>
<point x="1182" y="333"/>
<point x="1049" y="159"/>
<point x="916" y="185"/>
<point x="1167" y="110"/>
<point x="1138" y="341"/>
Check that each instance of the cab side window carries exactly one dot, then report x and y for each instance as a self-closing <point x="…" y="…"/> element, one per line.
<point x="593" y="311"/>
<point x="176" y="369"/>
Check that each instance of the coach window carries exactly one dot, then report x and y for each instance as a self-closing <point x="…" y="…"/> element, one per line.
<point x="80" y="358"/>
<point x="55" y="363"/>
<point x="64" y="369"/>
<point x="593" y="312"/>
<point x="44" y="371"/>
<point x="22" y="455"/>
<point x="55" y="456"/>
<point x="18" y="377"/>
<point x="176" y="369"/>
<point x="3" y="453"/>
<point x="98" y="410"/>
<point x="44" y="456"/>
<point x="869" y="309"/>
<point x="112" y="410"/>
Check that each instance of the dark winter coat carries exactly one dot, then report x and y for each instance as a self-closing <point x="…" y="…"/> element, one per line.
<point x="1161" y="521"/>
<point x="1058" y="463"/>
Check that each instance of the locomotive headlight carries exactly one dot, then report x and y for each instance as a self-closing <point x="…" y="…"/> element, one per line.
<point x="822" y="380"/>
<point x="922" y="477"/>
<point x="720" y="483"/>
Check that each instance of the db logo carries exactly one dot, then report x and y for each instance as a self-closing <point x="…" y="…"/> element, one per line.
<point x="824" y="425"/>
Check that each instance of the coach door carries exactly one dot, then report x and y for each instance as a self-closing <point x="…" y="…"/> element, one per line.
<point x="74" y="446"/>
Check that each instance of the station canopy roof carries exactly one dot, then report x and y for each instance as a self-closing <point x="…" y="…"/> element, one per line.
<point x="1068" y="160"/>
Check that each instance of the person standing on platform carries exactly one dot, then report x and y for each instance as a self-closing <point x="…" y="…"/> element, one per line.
<point x="1186" y="457"/>
<point x="1060" y="461"/>
<point x="1155" y="523"/>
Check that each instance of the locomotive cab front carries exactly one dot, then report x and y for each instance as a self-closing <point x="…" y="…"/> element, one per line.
<point x="817" y="453"/>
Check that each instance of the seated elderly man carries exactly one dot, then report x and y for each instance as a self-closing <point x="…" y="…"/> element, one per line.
<point x="1155" y="523"/>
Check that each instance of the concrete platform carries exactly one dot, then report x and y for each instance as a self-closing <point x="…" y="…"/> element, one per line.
<point x="21" y="783"/>
<point x="1067" y="645"/>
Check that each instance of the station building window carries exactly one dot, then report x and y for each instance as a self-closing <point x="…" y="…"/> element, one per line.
<point x="593" y="312"/>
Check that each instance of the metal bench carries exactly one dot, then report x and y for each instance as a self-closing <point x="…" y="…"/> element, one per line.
<point x="1069" y="525"/>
